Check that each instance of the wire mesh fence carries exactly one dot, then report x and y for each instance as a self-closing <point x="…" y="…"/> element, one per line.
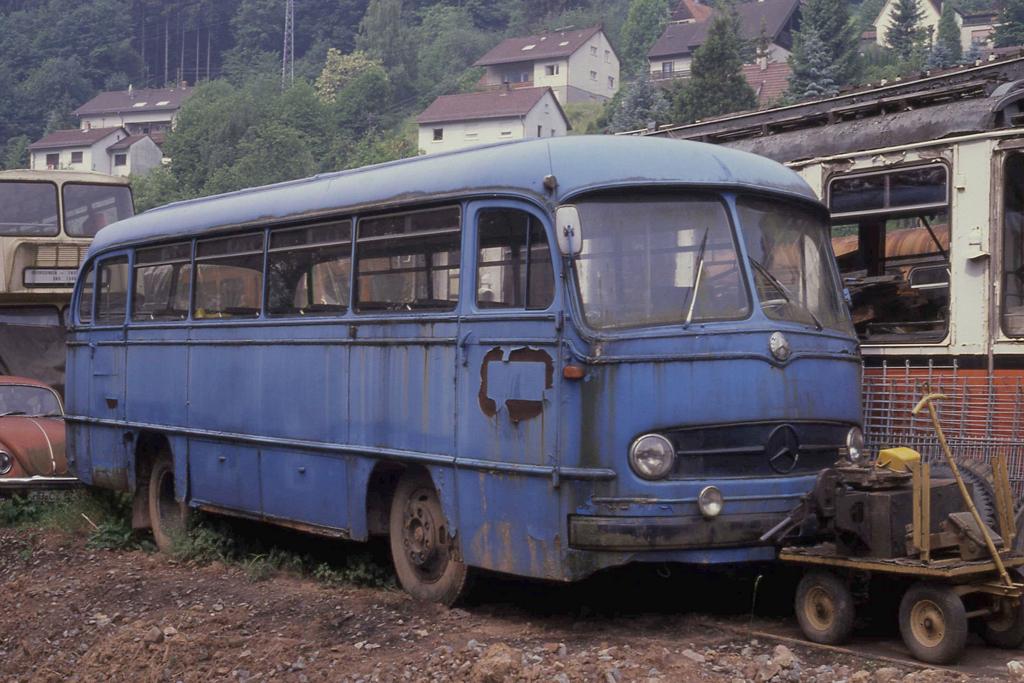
<point x="982" y="415"/>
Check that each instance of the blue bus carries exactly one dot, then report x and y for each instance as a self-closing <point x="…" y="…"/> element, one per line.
<point x="541" y="358"/>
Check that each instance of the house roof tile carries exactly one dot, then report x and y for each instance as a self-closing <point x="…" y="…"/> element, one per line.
<point x="690" y="10"/>
<point x="549" y="45"/>
<point x="474" y="106"/>
<point x="142" y="99"/>
<point x="684" y="38"/>
<point x="125" y="143"/>
<point x="769" y="83"/>
<point x="73" y="138"/>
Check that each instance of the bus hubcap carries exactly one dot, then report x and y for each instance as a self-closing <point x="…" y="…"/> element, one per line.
<point x="420" y="532"/>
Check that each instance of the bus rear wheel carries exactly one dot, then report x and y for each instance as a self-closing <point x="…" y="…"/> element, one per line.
<point x="422" y="550"/>
<point x="168" y="516"/>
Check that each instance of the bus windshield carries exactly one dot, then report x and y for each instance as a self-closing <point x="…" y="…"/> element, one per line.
<point x="29" y="209"/>
<point x="658" y="259"/>
<point x="788" y="248"/>
<point x="88" y="208"/>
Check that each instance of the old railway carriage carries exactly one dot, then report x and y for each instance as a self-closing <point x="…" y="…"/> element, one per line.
<point x="925" y="184"/>
<point x="542" y="358"/>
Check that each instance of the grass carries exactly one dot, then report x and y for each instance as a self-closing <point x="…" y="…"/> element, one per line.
<point x="262" y="552"/>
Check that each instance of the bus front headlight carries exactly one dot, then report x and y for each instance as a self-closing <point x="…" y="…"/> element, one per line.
<point x="710" y="501"/>
<point x="854" y="444"/>
<point x="652" y="456"/>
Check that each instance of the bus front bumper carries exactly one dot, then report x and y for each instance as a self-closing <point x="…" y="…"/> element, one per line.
<point x="631" y="534"/>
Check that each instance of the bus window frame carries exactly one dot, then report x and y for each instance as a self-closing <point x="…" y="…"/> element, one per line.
<point x="265" y="313"/>
<point x="96" y="263"/>
<point x="63" y="218"/>
<point x="1000" y="261"/>
<point x="239" y="232"/>
<point x="59" y="196"/>
<point x="891" y="170"/>
<point x="132" y="321"/>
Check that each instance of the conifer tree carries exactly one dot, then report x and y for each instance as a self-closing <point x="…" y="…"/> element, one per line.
<point x="814" y="73"/>
<point x="644" y="23"/>
<point x="1010" y="29"/>
<point x="717" y="85"/>
<point x="906" y="34"/>
<point x="830" y="19"/>
<point x="947" y="42"/>
<point x="642" y="103"/>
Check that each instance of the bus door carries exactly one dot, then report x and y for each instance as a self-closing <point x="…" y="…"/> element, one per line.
<point x="106" y="383"/>
<point x="508" y="363"/>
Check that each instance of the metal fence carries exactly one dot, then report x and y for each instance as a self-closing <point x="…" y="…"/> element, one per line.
<point x="982" y="416"/>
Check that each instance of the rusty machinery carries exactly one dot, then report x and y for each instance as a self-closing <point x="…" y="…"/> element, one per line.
<point x="891" y="518"/>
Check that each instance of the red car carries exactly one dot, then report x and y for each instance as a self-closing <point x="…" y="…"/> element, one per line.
<point x="31" y="437"/>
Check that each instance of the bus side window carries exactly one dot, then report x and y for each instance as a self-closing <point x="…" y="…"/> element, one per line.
<point x="513" y="261"/>
<point x="1013" y="246"/>
<point x="409" y="261"/>
<point x="85" y="297"/>
<point x="162" y="277"/>
<point x="229" y="277"/>
<point x="308" y="270"/>
<point x="112" y="291"/>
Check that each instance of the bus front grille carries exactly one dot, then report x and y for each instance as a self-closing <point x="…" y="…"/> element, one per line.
<point x="59" y="255"/>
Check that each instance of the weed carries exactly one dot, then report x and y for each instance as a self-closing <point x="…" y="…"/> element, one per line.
<point x="18" y="510"/>
<point x="360" y="569"/>
<point x="203" y="543"/>
<point x="113" y="534"/>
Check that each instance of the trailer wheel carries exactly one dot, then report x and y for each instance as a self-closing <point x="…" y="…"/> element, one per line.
<point x="1005" y="629"/>
<point x="824" y="608"/>
<point x="168" y="517"/>
<point x="933" y="623"/>
<point x="422" y="550"/>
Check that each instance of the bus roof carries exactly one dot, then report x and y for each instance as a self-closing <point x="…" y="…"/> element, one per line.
<point x="64" y="176"/>
<point x="578" y="164"/>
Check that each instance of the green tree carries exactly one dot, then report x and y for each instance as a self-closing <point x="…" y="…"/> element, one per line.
<point x="1010" y="29"/>
<point x="339" y="70"/>
<point x="15" y="152"/>
<point x="644" y="23"/>
<point x="448" y="44"/>
<point x="641" y="104"/>
<point x="268" y="153"/>
<point x="948" y="38"/>
<point x="906" y="35"/>
<point x="814" y="73"/>
<point x="834" y="33"/>
<point x="717" y="85"/>
<point x="156" y="187"/>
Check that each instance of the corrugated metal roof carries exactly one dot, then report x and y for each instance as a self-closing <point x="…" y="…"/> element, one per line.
<point x="541" y="46"/>
<point x="579" y="163"/>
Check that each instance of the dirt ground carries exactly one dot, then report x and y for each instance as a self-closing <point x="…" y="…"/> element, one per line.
<point x="75" y="613"/>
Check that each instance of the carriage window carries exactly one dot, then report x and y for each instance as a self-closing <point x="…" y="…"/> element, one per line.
<point x="1013" y="246"/>
<point x="162" y="276"/>
<point x="514" y="265"/>
<point x="408" y="261"/>
<point x="308" y="270"/>
<point x="112" y="296"/>
<point x="228" y="277"/>
<point x="891" y="237"/>
<point x="85" y="298"/>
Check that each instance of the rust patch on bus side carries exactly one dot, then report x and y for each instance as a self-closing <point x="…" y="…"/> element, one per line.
<point x="523" y="377"/>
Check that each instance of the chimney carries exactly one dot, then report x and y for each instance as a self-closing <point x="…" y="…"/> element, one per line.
<point x="762" y="61"/>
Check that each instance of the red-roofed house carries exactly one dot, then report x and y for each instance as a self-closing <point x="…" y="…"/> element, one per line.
<point x="480" y="118"/>
<point x="108" y="150"/>
<point x="672" y="54"/>
<point x="768" y="79"/>
<point x="578" y="65"/>
<point x="143" y="111"/>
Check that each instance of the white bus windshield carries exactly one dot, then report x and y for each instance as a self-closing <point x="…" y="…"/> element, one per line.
<point x="88" y="208"/>
<point x="28" y="209"/>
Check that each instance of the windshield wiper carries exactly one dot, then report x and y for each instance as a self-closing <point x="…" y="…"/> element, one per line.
<point x="692" y="300"/>
<point x="785" y="293"/>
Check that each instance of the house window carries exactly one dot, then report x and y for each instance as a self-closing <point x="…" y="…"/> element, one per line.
<point x="552" y="132"/>
<point x="551" y="69"/>
<point x="76" y="157"/>
<point x="53" y="160"/>
<point x="120" y="159"/>
<point x="593" y="50"/>
<point x="666" y="68"/>
<point x="593" y="75"/>
<point x="506" y="133"/>
<point x="540" y="131"/>
<point x="611" y="82"/>
<point x="607" y="56"/>
<point x="438" y="134"/>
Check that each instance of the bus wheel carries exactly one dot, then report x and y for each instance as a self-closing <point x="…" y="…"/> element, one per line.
<point x="933" y="623"/>
<point x="168" y="517"/>
<point x="421" y="549"/>
<point x="824" y="608"/>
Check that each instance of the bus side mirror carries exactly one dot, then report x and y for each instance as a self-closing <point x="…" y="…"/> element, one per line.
<point x="569" y="230"/>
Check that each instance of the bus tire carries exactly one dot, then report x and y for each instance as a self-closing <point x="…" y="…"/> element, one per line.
<point x="168" y="517"/>
<point x="825" y="608"/>
<point x="423" y="552"/>
<point x="933" y="623"/>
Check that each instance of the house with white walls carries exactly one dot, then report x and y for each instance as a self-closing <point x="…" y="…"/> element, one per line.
<point x="104" y="150"/>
